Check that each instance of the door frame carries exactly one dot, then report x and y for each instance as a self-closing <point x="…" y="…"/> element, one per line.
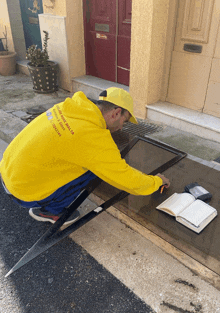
<point x="171" y="31"/>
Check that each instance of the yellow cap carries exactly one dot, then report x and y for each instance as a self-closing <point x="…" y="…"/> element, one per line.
<point x="121" y="98"/>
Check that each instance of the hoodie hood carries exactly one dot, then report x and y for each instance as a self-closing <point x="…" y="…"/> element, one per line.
<point x="81" y="108"/>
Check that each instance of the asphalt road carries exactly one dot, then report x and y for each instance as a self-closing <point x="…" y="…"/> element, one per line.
<point x="63" y="279"/>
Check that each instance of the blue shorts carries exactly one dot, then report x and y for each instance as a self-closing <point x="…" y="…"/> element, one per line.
<point x="62" y="197"/>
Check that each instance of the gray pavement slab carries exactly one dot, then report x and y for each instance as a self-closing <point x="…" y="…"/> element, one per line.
<point x="3" y="146"/>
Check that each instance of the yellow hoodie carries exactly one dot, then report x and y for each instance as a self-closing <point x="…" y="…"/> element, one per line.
<point x="61" y="145"/>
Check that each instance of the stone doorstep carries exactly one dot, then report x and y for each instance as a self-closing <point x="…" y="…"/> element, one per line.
<point x="93" y="86"/>
<point x="191" y="121"/>
<point x="22" y="67"/>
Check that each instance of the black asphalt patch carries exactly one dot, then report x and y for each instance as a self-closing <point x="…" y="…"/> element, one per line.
<point x="63" y="279"/>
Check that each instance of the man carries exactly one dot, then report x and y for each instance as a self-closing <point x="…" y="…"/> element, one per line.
<point x="48" y="164"/>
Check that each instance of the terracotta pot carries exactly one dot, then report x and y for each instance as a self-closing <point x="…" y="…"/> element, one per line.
<point x="44" y="78"/>
<point x="7" y="63"/>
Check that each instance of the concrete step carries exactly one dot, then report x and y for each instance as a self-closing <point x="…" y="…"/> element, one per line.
<point x="197" y="123"/>
<point x="22" y="67"/>
<point x="93" y="86"/>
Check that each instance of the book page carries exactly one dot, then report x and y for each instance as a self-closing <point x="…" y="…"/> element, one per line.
<point x="197" y="212"/>
<point x="176" y="203"/>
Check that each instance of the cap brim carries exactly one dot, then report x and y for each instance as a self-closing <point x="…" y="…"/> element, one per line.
<point x="133" y="120"/>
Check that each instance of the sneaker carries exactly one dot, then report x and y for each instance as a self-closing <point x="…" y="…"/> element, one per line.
<point x="42" y="215"/>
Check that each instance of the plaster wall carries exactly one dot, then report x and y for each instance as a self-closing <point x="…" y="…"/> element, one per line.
<point x="5" y="21"/>
<point x="75" y="37"/>
<point x="212" y="102"/>
<point x="17" y="28"/>
<point x="57" y="45"/>
<point x="55" y="7"/>
<point x="68" y="47"/>
<point x="148" y="45"/>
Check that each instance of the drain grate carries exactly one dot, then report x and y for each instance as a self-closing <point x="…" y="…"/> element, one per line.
<point x="130" y="130"/>
<point x="141" y="129"/>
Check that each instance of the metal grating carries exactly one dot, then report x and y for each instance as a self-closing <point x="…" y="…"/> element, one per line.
<point x="130" y="130"/>
<point x="141" y="129"/>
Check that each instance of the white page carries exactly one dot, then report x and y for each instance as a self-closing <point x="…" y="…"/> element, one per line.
<point x="177" y="202"/>
<point x="197" y="212"/>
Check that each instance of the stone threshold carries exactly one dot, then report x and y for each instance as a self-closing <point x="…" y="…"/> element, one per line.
<point x="22" y="67"/>
<point x="93" y="86"/>
<point x="197" y="123"/>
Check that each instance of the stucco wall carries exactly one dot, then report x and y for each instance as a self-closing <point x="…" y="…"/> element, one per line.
<point x="148" y="45"/>
<point x="5" y="21"/>
<point x="57" y="45"/>
<point x="212" y="102"/>
<point x="75" y="37"/>
<point x="73" y="49"/>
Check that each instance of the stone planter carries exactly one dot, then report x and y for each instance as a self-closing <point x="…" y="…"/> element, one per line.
<point x="44" y="78"/>
<point x="7" y="63"/>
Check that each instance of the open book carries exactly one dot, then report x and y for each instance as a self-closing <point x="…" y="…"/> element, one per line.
<point x="192" y="213"/>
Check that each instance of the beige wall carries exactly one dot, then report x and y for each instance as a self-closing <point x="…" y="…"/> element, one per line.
<point x="75" y="37"/>
<point x="55" y="7"/>
<point x="73" y="49"/>
<point x="212" y="101"/>
<point x="148" y="46"/>
<point x="57" y="45"/>
<point x="5" y="21"/>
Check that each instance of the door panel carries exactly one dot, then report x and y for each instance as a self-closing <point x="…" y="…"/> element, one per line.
<point x="212" y="102"/>
<point x="124" y="41"/>
<point x="101" y="55"/>
<point x="107" y="40"/>
<point x="189" y="77"/>
<point x="29" y="13"/>
<point x="195" y="39"/>
<point x="103" y="12"/>
<point x="100" y="38"/>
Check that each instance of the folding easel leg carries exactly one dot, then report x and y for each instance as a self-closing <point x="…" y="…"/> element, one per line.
<point x="46" y="240"/>
<point x="52" y="236"/>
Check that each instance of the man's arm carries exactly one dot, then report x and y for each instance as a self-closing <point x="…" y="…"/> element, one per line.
<point x="165" y="180"/>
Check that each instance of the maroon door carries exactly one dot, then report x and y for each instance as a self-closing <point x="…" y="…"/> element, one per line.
<point x="124" y="41"/>
<point x="107" y="40"/>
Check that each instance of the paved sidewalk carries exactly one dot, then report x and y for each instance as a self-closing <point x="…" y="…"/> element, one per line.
<point x="139" y="260"/>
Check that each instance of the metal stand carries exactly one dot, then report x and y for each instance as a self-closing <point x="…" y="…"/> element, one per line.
<point x="53" y="235"/>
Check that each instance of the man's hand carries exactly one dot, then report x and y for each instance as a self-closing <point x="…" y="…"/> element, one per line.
<point x="166" y="181"/>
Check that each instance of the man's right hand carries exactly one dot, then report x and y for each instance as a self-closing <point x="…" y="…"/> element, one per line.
<point x="166" y="181"/>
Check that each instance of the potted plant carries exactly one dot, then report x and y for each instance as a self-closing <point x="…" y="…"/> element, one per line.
<point x="7" y="59"/>
<point x="43" y="71"/>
